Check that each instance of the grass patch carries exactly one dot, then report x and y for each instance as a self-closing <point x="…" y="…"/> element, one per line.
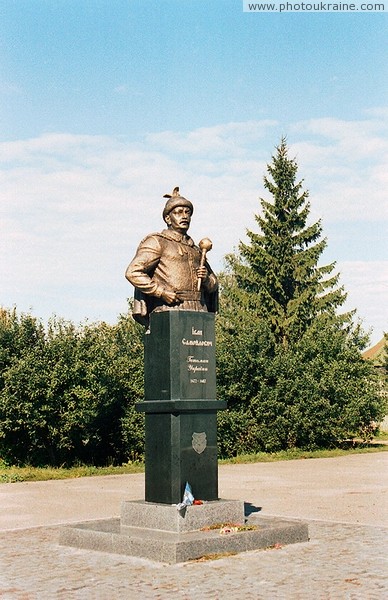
<point x="297" y="454"/>
<point x="10" y="474"/>
<point x="15" y="474"/>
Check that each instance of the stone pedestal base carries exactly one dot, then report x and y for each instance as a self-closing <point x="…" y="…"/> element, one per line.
<point x="161" y="517"/>
<point x="160" y="533"/>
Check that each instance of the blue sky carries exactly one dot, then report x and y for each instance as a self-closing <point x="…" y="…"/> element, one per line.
<point x="105" y="105"/>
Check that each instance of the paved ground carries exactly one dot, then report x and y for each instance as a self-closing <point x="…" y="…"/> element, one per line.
<point x="344" y="500"/>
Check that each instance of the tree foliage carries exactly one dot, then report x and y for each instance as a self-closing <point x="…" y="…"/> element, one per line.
<point x="67" y="394"/>
<point x="289" y="365"/>
<point x="279" y="267"/>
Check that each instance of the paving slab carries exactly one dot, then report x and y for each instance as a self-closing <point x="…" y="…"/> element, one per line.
<point x="346" y="489"/>
<point x="343" y="499"/>
<point x="341" y="562"/>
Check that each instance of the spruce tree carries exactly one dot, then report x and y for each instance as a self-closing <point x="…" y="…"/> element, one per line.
<point x="289" y="366"/>
<point x="279" y="268"/>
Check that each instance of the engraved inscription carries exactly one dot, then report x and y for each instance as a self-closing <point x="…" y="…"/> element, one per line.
<point x="205" y="343"/>
<point x="197" y="366"/>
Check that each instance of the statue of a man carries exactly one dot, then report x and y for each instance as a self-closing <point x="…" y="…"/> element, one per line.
<point x="167" y="267"/>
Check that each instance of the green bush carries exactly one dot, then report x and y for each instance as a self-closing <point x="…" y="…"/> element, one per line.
<point x="313" y="394"/>
<point x="66" y="393"/>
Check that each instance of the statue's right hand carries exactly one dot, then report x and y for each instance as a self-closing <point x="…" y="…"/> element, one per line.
<point x="170" y="297"/>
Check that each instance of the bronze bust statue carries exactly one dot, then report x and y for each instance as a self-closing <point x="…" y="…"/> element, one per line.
<point x="169" y="272"/>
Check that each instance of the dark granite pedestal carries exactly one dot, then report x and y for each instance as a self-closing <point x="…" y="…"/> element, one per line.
<point x="180" y="406"/>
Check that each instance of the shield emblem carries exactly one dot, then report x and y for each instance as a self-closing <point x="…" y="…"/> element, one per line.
<point x="199" y="442"/>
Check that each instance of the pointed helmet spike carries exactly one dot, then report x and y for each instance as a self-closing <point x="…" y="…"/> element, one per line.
<point x="175" y="192"/>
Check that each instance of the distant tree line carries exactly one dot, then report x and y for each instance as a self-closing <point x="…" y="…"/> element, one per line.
<point x="288" y="364"/>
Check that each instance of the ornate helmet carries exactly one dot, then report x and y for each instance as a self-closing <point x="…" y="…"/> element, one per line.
<point x="175" y="200"/>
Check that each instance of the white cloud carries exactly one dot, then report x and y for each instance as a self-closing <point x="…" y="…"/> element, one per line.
<point x="346" y="166"/>
<point x="75" y="207"/>
<point x="367" y="286"/>
<point x="218" y="141"/>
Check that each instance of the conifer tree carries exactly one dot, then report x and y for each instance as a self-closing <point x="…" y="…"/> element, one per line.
<point x="289" y="366"/>
<point x="279" y="269"/>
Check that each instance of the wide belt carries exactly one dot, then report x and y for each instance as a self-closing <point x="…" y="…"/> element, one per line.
<point x="189" y="295"/>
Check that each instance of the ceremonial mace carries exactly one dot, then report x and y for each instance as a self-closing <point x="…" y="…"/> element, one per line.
<point x="205" y="245"/>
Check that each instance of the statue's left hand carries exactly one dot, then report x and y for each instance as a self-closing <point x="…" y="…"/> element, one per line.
<point x="202" y="273"/>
